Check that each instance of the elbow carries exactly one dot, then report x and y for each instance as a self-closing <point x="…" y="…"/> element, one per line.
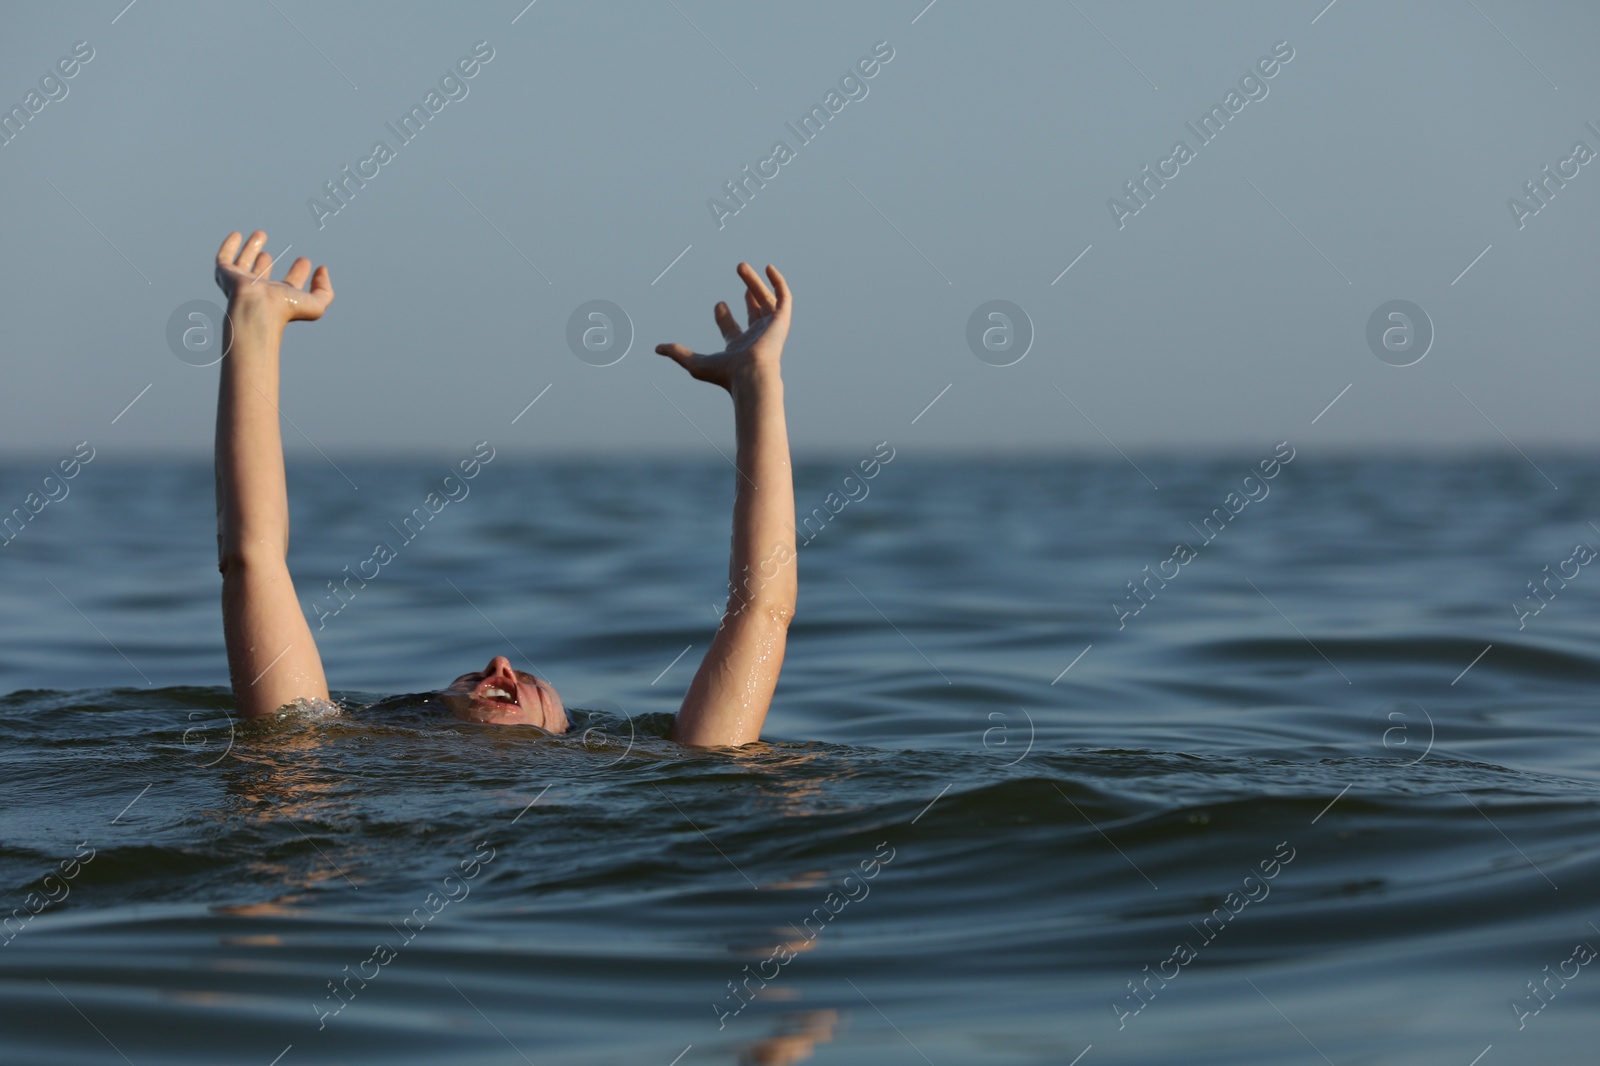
<point x="770" y="601"/>
<point x="233" y="563"/>
<point x="777" y="605"/>
<point x="242" y="557"/>
<point x="775" y="611"/>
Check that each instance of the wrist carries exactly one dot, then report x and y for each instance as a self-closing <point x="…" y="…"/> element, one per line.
<point x="252" y="312"/>
<point x="754" y="381"/>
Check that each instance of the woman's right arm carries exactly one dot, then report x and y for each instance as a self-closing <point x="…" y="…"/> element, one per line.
<point x="272" y="657"/>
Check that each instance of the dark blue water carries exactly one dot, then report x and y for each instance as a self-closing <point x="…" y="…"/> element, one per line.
<point x="1292" y="811"/>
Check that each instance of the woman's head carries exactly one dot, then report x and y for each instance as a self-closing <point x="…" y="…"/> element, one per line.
<point x="499" y="695"/>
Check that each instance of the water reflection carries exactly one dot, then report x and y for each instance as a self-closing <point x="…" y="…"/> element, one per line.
<point x="795" y="1040"/>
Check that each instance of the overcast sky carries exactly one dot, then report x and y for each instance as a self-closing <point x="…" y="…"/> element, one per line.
<point x="977" y="163"/>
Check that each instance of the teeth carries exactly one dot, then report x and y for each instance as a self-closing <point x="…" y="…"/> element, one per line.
<point x="497" y="694"/>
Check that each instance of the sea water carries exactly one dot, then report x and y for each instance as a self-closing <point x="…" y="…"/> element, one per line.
<point x="1328" y="794"/>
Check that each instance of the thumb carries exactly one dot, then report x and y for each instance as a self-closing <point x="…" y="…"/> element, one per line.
<point x="677" y="353"/>
<point x="322" y="284"/>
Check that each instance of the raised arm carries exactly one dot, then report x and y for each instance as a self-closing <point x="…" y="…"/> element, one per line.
<point x="272" y="658"/>
<point x="728" y="700"/>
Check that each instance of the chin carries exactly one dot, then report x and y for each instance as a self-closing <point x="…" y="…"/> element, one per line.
<point x="499" y="697"/>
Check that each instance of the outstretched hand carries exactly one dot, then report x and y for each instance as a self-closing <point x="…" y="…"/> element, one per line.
<point x="757" y="346"/>
<point x="244" y="273"/>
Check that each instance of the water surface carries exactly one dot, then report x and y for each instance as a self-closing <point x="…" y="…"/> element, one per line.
<point x="1297" y="761"/>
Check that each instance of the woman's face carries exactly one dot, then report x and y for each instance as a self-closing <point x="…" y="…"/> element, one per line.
<point x="499" y="695"/>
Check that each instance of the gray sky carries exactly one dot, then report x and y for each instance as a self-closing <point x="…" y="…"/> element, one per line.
<point x="1226" y="313"/>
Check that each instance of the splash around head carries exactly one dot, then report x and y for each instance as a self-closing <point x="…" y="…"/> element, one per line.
<point x="499" y="695"/>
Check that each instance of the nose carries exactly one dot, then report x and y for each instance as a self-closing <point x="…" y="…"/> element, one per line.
<point x="500" y="665"/>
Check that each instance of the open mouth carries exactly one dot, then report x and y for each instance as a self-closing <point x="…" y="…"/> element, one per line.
<point x="497" y="692"/>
